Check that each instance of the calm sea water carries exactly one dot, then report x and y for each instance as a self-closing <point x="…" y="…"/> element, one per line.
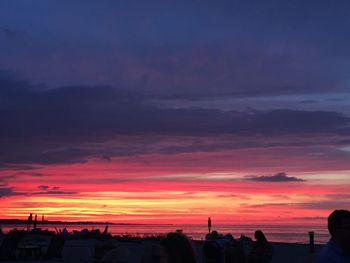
<point x="277" y="233"/>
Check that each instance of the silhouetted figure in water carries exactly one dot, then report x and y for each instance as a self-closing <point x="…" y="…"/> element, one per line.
<point x="29" y="221"/>
<point x="177" y="248"/>
<point x="262" y="250"/>
<point x="209" y="225"/>
<point x="337" y="250"/>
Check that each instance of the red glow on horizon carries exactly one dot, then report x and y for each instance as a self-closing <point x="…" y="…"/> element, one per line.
<point x="133" y="191"/>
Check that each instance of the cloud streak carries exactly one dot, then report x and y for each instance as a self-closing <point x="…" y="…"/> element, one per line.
<point x="276" y="178"/>
<point x="7" y="191"/>
<point x="72" y="121"/>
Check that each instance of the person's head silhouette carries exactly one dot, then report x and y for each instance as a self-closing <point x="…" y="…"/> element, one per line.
<point x="259" y="236"/>
<point x="339" y="227"/>
<point x="177" y="248"/>
<point x="338" y="248"/>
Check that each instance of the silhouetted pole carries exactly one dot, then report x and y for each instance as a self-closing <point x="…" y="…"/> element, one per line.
<point x="209" y="225"/>
<point x="312" y="242"/>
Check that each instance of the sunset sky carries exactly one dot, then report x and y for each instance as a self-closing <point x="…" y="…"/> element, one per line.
<point x="166" y="111"/>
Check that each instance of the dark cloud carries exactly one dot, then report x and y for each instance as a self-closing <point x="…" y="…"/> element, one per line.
<point x="16" y="167"/>
<point x="267" y="205"/>
<point x="279" y="177"/>
<point x="309" y="101"/>
<point x="343" y="197"/>
<point x="320" y="204"/>
<point x="311" y="218"/>
<point x="235" y="196"/>
<point x="63" y="125"/>
<point x="105" y="157"/>
<point x="37" y="174"/>
<point x="7" y="191"/>
<point x="63" y="156"/>
<point x="6" y="177"/>
<point x="54" y="192"/>
<point x="26" y="110"/>
<point x="186" y="49"/>
<point x="329" y="205"/>
<point x="9" y="35"/>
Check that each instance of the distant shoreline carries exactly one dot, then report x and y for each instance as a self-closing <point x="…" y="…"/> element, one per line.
<point x="46" y="222"/>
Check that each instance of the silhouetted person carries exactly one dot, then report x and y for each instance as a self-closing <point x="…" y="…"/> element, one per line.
<point x="337" y="250"/>
<point x="29" y="221"/>
<point x="177" y="248"/>
<point x="214" y="248"/>
<point x="234" y="252"/>
<point x="209" y="225"/>
<point x="35" y="221"/>
<point x="262" y="250"/>
<point x="105" y="231"/>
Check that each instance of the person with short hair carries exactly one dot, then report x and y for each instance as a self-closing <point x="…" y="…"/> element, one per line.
<point x="175" y="247"/>
<point x="337" y="250"/>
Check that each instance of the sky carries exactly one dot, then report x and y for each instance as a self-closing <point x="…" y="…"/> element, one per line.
<point x="173" y="111"/>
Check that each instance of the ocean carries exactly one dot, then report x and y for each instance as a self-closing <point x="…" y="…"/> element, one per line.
<point x="275" y="233"/>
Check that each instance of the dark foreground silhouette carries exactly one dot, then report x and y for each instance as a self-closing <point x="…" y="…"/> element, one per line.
<point x="337" y="250"/>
